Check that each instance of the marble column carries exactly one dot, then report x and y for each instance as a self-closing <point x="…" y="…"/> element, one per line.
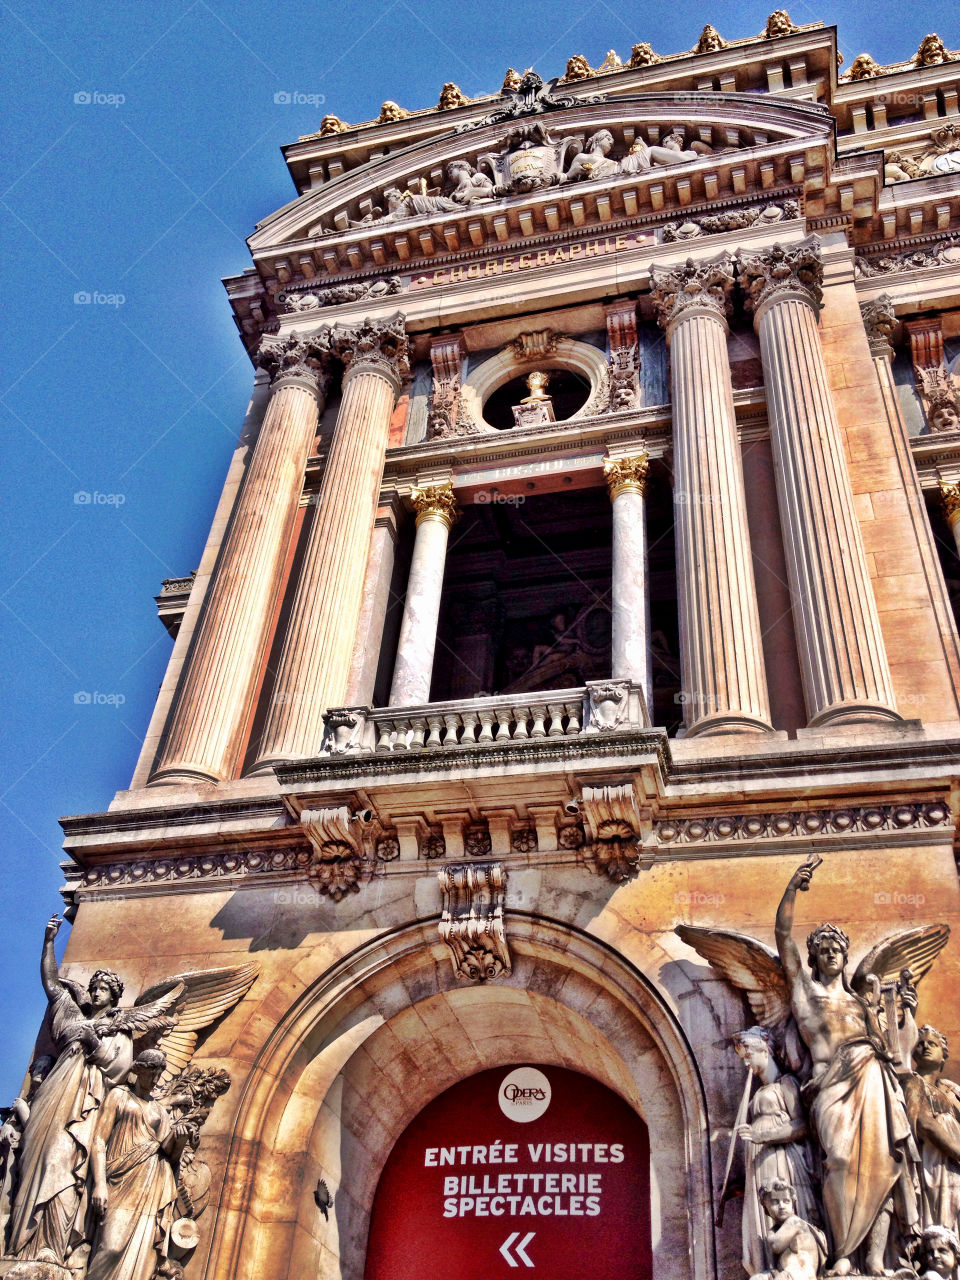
<point x="314" y="666"/>
<point x="436" y="509"/>
<point x="843" y="661"/>
<point x="376" y="603"/>
<point x="631" y="657"/>
<point x="724" y="683"/>
<point x="209" y="716"/>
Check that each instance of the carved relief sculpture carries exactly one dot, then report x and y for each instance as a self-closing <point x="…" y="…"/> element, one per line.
<point x="778" y="24"/>
<point x="444" y="418"/>
<point x="451" y="95"/>
<point x="842" y="1036"/>
<point x="642" y="55"/>
<point x="335" y="839"/>
<point x="797" y="1247"/>
<point x="466" y="185"/>
<point x="624" y="361"/>
<point x="863" y="67"/>
<point x="933" y="1104"/>
<point x="938" y="1255"/>
<point x="614" y="824"/>
<point x="932" y="52"/>
<point x="710" y="40"/>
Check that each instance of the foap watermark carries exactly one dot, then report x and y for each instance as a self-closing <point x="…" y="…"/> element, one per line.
<point x="94" y="298"/>
<point x="82" y="698"/>
<point x="295" y="898"/>
<point x="84" y="498"/>
<point x="94" y="98"/>
<point x="488" y="497"/>
<point x="683" y="499"/>
<point x="294" y="98"/>
<point x="897" y="898"/>
<point x="695" y="898"/>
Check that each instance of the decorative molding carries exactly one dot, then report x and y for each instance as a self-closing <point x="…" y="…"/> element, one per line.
<point x="471" y="923"/>
<point x="310" y="298"/>
<point x="946" y="253"/>
<point x="334" y="836"/>
<point x="625" y="475"/>
<point x="820" y="822"/>
<point x="794" y="273"/>
<point x="298" y="358"/>
<point x="732" y="220"/>
<point x="695" y="287"/>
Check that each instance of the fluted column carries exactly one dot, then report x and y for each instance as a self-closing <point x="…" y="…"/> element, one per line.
<point x="842" y="656"/>
<point x="314" y="665"/>
<point x="222" y="669"/>
<point x="724" y="684"/>
<point x="950" y="502"/>
<point x="436" y="509"/>
<point x="631" y="658"/>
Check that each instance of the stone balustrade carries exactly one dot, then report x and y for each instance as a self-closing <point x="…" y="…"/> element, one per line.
<point x="601" y="706"/>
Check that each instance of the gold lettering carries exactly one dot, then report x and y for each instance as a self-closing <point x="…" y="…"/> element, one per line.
<point x="525" y="260"/>
<point x="473" y="272"/>
<point x="543" y="258"/>
<point x="456" y="273"/>
<point x="439" y="277"/>
<point x="509" y="265"/>
<point x="560" y="256"/>
<point x="575" y="251"/>
<point x="622" y="242"/>
<point x="493" y="269"/>
<point x="591" y="249"/>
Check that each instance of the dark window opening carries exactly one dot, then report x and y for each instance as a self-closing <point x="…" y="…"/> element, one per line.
<point x="569" y="392"/>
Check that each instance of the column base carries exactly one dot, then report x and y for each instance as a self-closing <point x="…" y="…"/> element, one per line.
<point x="854" y="713"/>
<point x="726" y="723"/>
<point x="262" y="767"/>
<point x="183" y="776"/>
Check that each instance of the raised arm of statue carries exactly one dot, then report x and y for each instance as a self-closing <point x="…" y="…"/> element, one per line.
<point x="786" y="946"/>
<point x="49" y="973"/>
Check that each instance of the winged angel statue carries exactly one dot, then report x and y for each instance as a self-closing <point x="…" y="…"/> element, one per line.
<point x="105" y="1172"/>
<point x="832" y="1047"/>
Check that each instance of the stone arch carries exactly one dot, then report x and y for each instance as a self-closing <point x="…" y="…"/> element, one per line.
<point x="569" y="354"/>
<point x="388" y="1029"/>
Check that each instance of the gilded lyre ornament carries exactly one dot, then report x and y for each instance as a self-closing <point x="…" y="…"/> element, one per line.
<point x="841" y="1036"/>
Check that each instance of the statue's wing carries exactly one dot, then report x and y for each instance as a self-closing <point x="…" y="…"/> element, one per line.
<point x="747" y="965"/>
<point x="913" y="949"/>
<point x="154" y="1011"/>
<point x="204" y="996"/>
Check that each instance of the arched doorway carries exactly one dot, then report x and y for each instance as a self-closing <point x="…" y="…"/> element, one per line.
<point x="516" y="1169"/>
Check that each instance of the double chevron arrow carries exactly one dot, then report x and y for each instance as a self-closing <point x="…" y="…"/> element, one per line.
<point x="518" y="1249"/>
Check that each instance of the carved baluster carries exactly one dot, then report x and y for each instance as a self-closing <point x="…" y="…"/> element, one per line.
<point x="487" y="720"/>
<point x="436" y="724"/>
<point x="556" y="710"/>
<point x="520" y="716"/>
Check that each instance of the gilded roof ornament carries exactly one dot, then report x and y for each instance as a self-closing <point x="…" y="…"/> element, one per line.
<point x="642" y="55"/>
<point x="451" y="95"/>
<point x="612" y="62"/>
<point x="863" y="67"/>
<point x="778" y="24"/>
<point x="710" y="40"/>
<point x="511" y="81"/>
<point x="578" y="68"/>
<point x="932" y="52"/>
<point x="532" y="97"/>
<point x="390" y="111"/>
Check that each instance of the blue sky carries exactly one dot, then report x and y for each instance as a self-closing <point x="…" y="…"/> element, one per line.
<point x="142" y="196"/>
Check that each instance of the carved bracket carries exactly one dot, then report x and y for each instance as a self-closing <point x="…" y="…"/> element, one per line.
<point x="624" y="364"/>
<point x="613" y="823"/>
<point x="444" y="419"/>
<point x="472" y="921"/>
<point x="335" y="838"/>
<point x="938" y="390"/>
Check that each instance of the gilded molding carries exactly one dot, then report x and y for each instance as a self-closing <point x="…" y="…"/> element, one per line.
<point x="794" y="273"/>
<point x="695" y="288"/>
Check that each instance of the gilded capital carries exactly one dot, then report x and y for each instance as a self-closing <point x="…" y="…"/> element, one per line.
<point x="626" y="475"/>
<point x="880" y="322"/>
<point x="696" y="288"/>
<point x="436" y="502"/>
<point x="304" y="359"/>
<point x="950" y="500"/>
<point x="374" y="346"/>
<point x="781" y="274"/>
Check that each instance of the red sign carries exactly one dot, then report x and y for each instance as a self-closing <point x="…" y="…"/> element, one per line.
<point x="518" y="1171"/>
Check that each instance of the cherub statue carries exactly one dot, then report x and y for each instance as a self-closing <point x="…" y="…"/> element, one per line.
<point x="799" y="1249"/>
<point x="93" y="1044"/>
<point x="594" y="160"/>
<point x="642" y="55"/>
<point x="932" y="52"/>
<point x="828" y="1033"/>
<point x="578" y="68"/>
<point x="775" y="1145"/>
<point x="898" y="167"/>
<point x="933" y="1105"/>
<point x="451" y="95"/>
<point x="863" y="67"/>
<point x="938" y="1255"/>
<point x="611" y="62"/>
<point x="466" y="185"/>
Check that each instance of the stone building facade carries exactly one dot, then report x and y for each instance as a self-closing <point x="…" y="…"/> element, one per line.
<point x="585" y="567"/>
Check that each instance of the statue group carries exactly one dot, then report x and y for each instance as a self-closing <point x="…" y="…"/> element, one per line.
<point x="848" y="1133"/>
<point x="98" y="1156"/>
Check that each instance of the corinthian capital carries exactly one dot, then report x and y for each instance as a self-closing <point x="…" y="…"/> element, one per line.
<point x="795" y="273"/>
<point x="292" y="357"/>
<point x="435" y="502"/>
<point x="880" y="323"/>
<point x="950" y="500"/>
<point x="626" y="474"/>
<point x="378" y="346"/>
<point x="696" y="288"/>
